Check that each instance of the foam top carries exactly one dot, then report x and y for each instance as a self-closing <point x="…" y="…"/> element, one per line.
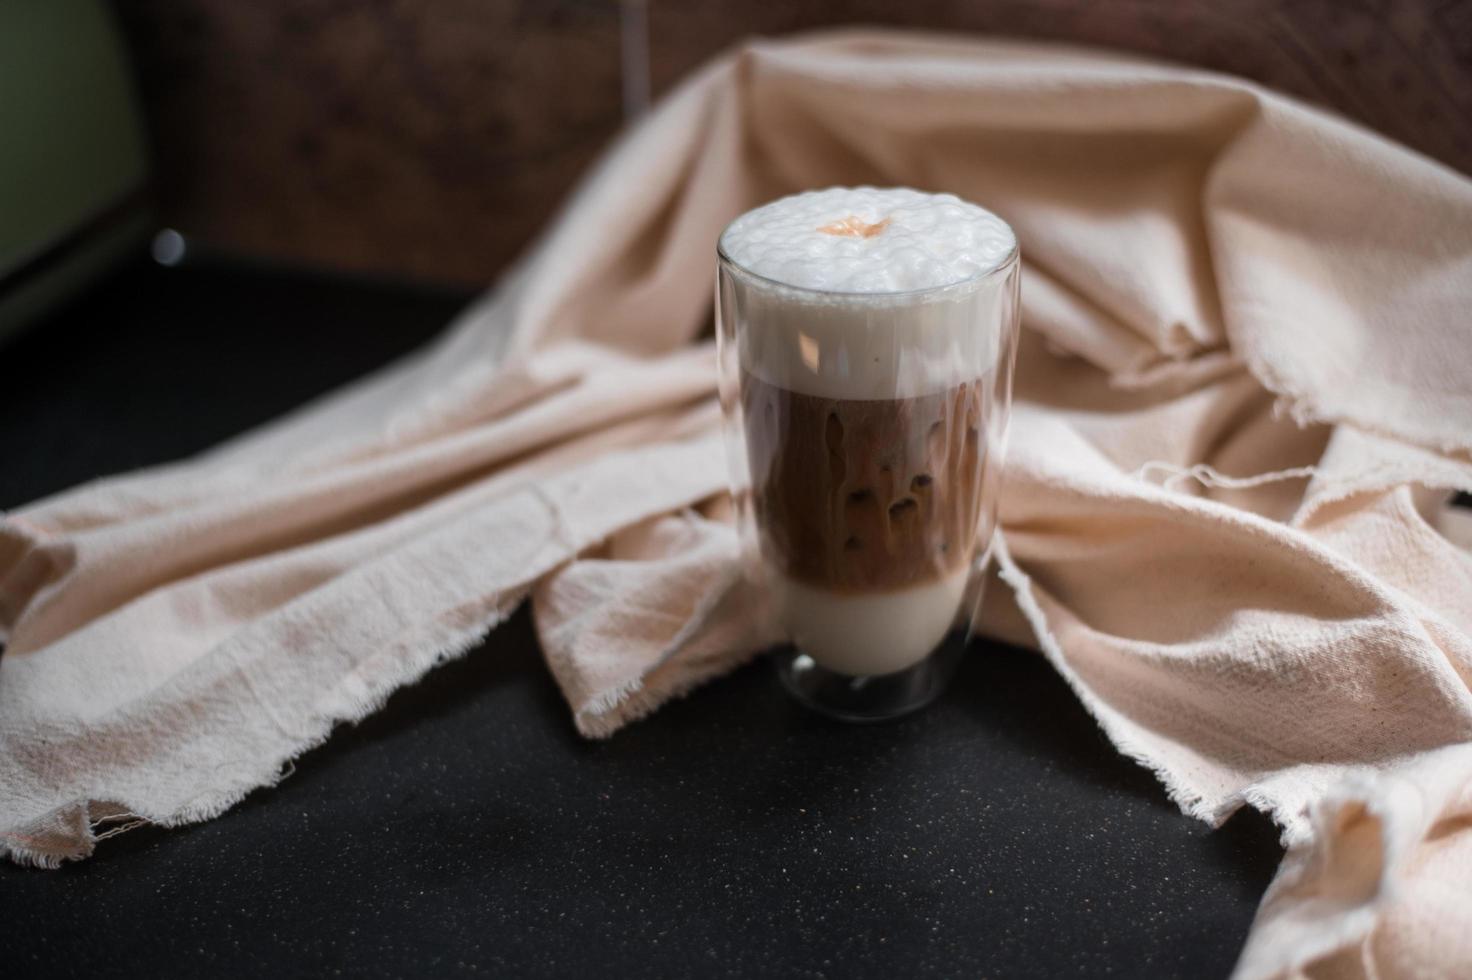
<point x="869" y="240"/>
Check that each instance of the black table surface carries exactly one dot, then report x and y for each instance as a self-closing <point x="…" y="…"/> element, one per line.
<point x="467" y="829"/>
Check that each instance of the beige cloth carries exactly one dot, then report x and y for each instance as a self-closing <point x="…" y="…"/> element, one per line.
<point x="1245" y="379"/>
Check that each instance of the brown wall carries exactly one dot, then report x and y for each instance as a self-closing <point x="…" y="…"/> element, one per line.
<point x="431" y="140"/>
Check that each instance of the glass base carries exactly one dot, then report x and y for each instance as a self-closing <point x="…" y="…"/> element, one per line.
<point x="877" y="697"/>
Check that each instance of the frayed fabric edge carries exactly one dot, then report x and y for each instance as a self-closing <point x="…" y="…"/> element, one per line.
<point x="1190" y="799"/>
<point x="636" y="698"/>
<point x="1209" y="476"/>
<point x="450" y="644"/>
<point x="1304" y="411"/>
<point x="1211" y="809"/>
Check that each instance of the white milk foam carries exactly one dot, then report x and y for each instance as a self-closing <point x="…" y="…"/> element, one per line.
<point x="922" y="241"/>
<point x="868" y="293"/>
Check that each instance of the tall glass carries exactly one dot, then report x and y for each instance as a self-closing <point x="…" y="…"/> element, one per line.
<point x="866" y="433"/>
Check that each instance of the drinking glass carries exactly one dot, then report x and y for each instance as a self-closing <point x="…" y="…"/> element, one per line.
<point x="865" y="435"/>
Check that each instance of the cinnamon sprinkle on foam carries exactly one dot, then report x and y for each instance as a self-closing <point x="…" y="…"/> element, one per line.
<point x="855" y="227"/>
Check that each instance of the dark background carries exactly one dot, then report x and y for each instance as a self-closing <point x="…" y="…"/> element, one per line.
<point x="432" y="140"/>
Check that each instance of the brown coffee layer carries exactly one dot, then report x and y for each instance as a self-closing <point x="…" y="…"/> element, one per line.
<point x="861" y="495"/>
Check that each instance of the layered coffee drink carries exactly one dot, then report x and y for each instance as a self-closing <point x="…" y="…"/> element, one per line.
<point x="867" y="338"/>
<point x="868" y="499"/>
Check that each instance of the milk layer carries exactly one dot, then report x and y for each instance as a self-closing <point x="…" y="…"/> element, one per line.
<point x="872" y="632"/>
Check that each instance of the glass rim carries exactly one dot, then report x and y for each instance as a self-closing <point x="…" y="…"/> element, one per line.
<point x="1010" y="260"/>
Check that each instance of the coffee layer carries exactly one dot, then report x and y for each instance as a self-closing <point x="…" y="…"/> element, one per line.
<point x="865" y="495"/>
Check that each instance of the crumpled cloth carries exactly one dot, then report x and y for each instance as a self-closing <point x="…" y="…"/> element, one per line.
<point x="1244" y="391"/>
